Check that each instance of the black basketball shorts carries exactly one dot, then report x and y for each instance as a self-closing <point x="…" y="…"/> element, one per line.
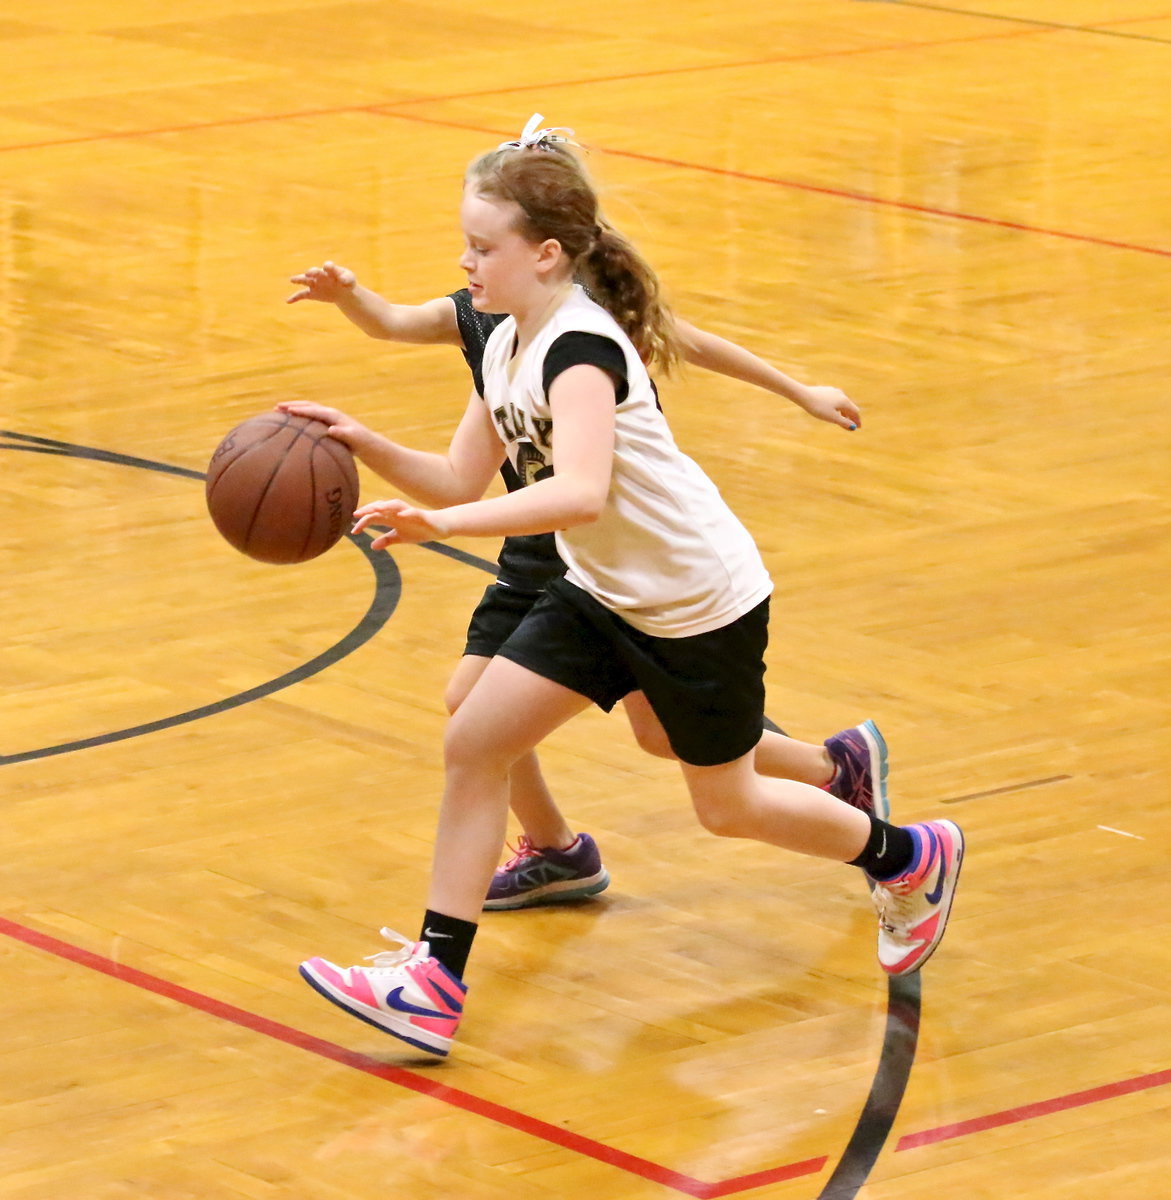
<point x="500" y="611"/>
<point x="707" y="689"/>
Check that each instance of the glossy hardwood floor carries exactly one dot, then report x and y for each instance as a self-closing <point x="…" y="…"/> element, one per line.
<point x="960" y="217"/>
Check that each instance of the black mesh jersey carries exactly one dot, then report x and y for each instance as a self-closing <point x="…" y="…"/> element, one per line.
<point x="528" y="561"/>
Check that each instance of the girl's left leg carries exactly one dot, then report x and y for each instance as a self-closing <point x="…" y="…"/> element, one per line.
<point x="529" y="795"/>
<point x="417" y="993"/>
<point x="505" y="716"/>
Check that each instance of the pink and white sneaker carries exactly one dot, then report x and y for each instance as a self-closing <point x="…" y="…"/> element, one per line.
<point x="913" y="907"/>
<point x="406" y="993"/>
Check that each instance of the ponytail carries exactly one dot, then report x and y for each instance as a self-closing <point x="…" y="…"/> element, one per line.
<point x="623" y="283"/>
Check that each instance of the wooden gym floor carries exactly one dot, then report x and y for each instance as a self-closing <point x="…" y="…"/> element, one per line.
<point x="213" y="769"/>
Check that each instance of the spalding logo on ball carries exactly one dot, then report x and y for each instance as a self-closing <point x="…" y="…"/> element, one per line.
<point x="280" y="489"/>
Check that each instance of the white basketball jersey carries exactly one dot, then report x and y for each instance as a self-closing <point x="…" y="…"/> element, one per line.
<point x="667" y="554"/>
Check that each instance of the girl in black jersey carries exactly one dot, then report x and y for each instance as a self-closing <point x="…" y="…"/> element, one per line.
<point x="664" y="590"/>
<point x="553" y="863"/>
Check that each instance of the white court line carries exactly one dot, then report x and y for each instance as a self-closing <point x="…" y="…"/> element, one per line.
<point x="1123" y="833"/>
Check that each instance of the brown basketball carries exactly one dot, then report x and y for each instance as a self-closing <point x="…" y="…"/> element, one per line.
<point x="280" y="489"/>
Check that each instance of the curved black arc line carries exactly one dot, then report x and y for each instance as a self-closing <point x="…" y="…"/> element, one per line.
<point x="387" y="589"/>
<point x="69" y="450"/>
<point x="903" y="1003"/>
<point x="472" y="560"/>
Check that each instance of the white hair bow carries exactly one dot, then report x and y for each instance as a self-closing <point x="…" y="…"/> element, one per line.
<point x="532" y="136"/>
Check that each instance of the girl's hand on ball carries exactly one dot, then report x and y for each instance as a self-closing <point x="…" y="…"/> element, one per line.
<point x="345" y="429"/>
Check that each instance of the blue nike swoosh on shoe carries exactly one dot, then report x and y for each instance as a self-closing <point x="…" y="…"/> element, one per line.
<point x="395" y="1000"/>
<point x="936" y="894"/>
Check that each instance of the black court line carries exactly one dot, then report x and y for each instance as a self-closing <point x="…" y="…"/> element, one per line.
<point x="472" y="560"/>
<point x="387" y="588"/>
<point x="26" y="441"/>
<point x="1038" y="23"/>
<point x="1009" y="787"/>
<point x="903" y="1006"/>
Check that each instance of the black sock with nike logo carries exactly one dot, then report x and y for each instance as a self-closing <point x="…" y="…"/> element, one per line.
<point x="888" y="852"/>
<point x="450" y="940"/>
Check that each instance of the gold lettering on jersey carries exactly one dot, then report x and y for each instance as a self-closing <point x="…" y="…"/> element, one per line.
<point x="530" y="463"/>
<point x="516" y="425"/>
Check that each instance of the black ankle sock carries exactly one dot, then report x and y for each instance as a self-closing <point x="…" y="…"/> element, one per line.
<point x="888" y="852"/>
<point x="450" y="940"/>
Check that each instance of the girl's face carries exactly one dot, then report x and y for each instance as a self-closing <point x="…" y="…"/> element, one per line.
<point x="504" y="270"/>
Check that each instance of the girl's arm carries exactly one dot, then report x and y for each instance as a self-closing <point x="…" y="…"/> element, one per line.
<point x="460" y="475"/>
<point x="713" y="353"/>
<point x="431" y="323"/>
<point x="582" y="402"/>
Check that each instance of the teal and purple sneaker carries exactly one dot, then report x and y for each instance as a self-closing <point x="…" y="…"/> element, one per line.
<point x="545" y="875"/>
<point x="859" y="754"/>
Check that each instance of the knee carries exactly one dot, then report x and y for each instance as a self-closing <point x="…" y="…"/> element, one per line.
<point x="720" y="822"/>
<point x="461" y="749"/>
<point x="469" y="749"/>
<point x="719" y="817"/>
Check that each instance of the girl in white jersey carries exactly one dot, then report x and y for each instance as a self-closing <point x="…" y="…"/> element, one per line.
<point x="551" y="862"/>
<point x="664" y="591"/>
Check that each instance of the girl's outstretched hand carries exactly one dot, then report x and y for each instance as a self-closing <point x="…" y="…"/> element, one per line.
<point x="832" y="404"/>
<point x="328" y="283"/>
<point x="348" y="431"/>
<point x="409" y="525"/>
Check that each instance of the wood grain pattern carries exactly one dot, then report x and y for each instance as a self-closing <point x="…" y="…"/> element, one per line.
<point x="960" y="218"/>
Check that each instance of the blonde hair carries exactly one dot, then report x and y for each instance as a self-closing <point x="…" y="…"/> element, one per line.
<point x="557" y="199"/>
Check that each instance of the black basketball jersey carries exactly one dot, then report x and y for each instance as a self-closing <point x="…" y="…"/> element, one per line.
<point x="527" y="561"/>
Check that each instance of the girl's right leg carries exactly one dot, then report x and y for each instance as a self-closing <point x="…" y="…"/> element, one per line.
<point x="852" y="764"/>
<point x="915" y="867"/>
<point x="733" y="800"/>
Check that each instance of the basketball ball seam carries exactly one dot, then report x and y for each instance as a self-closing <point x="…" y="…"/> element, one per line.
<point x="224" y="468"/>
<point x="312" y="499"/>
<point x="276" y="471"/>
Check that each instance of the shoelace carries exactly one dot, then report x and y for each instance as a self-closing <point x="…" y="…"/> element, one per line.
<point x="522" y="850"/>
<point x="893" y="906"/>
<point x="393" y="958"/>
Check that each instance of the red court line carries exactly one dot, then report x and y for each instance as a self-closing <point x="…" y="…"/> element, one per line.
<point x="387" y="109"/>
<point x="514" y="89"/>
<point x="818" y="189"/>
<point x="1041" y="1108"/>
<point x="343" y="110"/>
<point x="695" y="68"/>
<point x="534" y="1126"/>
